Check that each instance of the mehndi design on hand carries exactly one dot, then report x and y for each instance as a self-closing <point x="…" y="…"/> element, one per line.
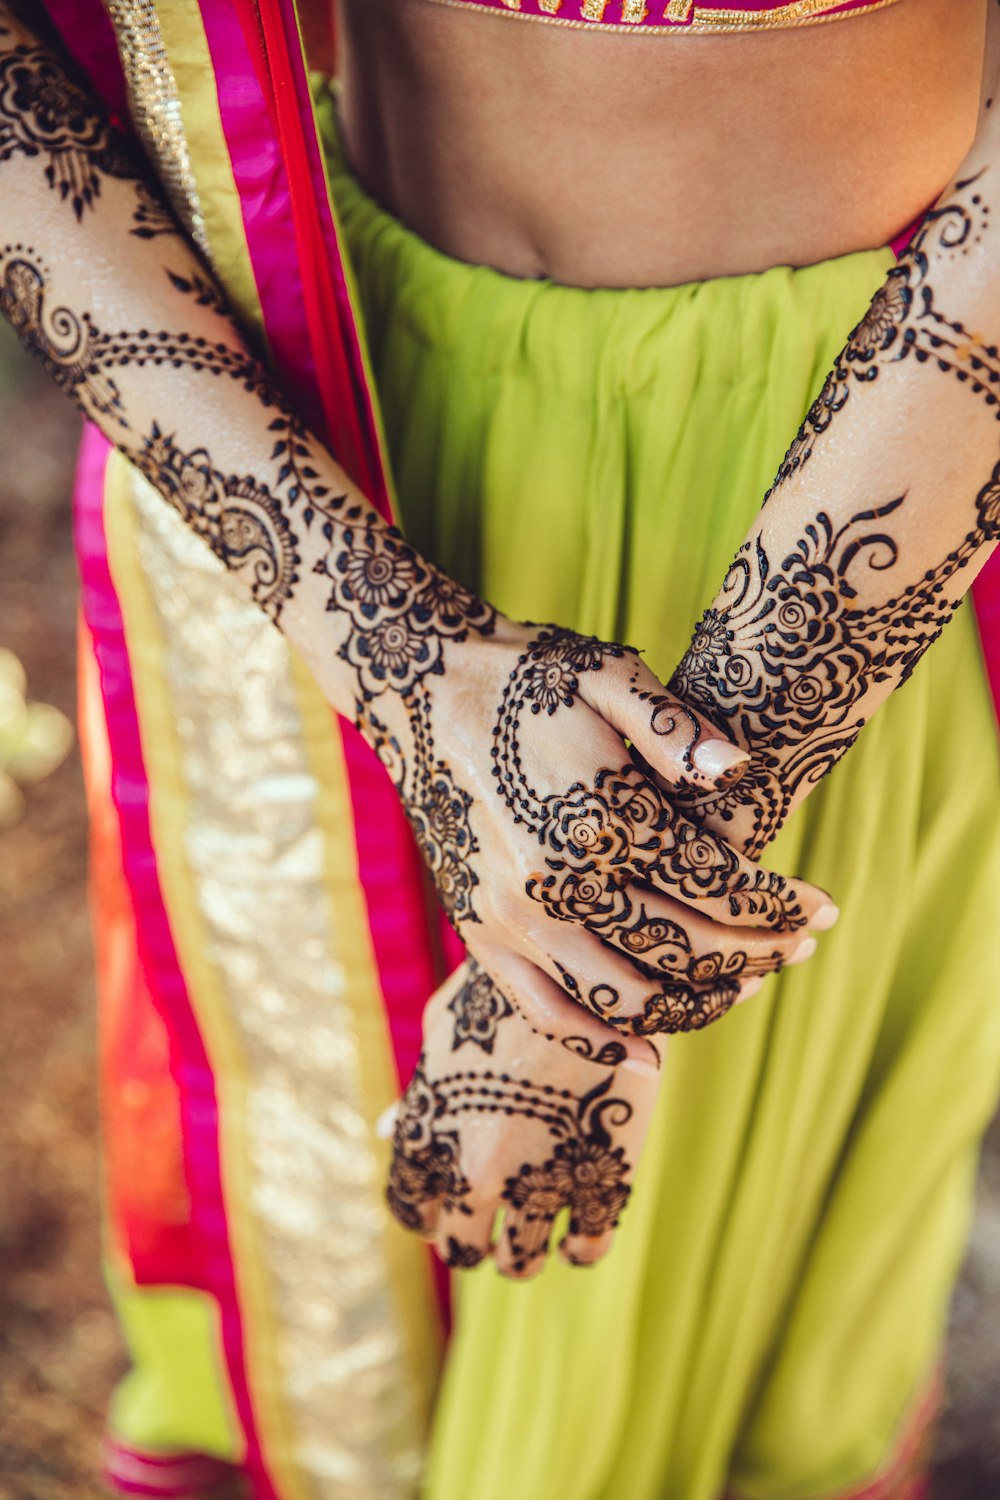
<point x="417" y="659"/>
<point x="789" y="654"/>
<point x="575" y="1110"/>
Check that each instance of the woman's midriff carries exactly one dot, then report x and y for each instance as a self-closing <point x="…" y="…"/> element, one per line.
<point x="600" y="159"/>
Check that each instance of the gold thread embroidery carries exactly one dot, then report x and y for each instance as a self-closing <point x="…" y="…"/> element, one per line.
<point x="156" y="109"/>
<point x="552" y="6"/>
<point x="704" y="21"/>
<point x="679" y="10"/>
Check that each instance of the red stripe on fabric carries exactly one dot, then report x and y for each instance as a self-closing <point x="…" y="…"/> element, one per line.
<point x="393" y="876"/>
<point x="986" y="597"/>
<point x="268" y="121"/>
<point x="157" y="951"/>
<point x="337" y="297"/>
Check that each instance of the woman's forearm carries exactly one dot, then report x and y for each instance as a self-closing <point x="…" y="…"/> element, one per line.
<point x="103" y="288"/>
<point x="884" y="510"/>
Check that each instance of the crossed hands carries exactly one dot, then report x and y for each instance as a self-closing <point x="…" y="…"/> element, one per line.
<point x="538" y="782"/>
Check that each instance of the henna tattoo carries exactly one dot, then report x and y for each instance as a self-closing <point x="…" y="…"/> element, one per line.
<point x="786" y="658"/>
<point x="585" y="1174"/>
<point x="598" y="839"/>
<point x="461" y="1257"/>
<point x="584" y="1171"/>
<point x="425" y="1162"/>
<point x="478" y="1007"/>
<point x="903" y="322"/>
<point x="437" y="807"/>
<point x="45" y="114"/>
<point x="238" y="518"/>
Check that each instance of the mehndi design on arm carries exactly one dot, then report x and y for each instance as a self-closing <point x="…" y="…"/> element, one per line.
<point x="787" y="657"/>
<point x="44" y="114"/>
<point x="903" y="322"/>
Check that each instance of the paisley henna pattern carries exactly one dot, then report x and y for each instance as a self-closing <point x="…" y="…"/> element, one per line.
<point x="236" y="516"/>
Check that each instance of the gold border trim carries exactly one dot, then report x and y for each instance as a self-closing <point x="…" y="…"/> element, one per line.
<point x="703" y="23"/>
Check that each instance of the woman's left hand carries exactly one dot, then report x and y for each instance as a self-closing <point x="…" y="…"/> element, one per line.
<point x="524" y="1117"/>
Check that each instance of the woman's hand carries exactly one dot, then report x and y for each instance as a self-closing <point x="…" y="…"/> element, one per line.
<point x="525" y="1118"/>
<point x="518" y="752"/>
<point x="507" y="744"/>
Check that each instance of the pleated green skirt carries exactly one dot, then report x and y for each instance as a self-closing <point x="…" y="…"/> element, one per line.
<point x="774" y="1306"/>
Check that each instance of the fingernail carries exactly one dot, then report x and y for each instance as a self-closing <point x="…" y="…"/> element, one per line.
<point x="751" y="988"/>
<point x="715" y="757"/>
<point x="386" y="1121"/>
<point x="825" y="917"/>
<point x="805" y="950"/>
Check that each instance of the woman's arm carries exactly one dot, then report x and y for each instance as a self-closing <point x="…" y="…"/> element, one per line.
<point x="520" y="821"/>
<point x="885" y="508"/>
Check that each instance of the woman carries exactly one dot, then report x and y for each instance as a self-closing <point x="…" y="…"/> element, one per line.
<point x="769" y="1318"/>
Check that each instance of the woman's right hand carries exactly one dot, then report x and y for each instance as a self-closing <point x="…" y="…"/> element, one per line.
<point x="546" y="838"/>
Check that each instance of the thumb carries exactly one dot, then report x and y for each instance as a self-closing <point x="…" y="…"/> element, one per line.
<point x="678" y="742"/>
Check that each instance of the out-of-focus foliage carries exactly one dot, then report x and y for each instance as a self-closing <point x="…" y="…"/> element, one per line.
<point x="34" y="738"/>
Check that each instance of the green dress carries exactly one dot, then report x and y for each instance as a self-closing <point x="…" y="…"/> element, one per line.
<point x="769" y="1323"/>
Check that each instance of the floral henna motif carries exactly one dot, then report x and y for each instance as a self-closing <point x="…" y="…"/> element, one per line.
<point x="402" y="609"/>
<point x="599" y="839"/>
<point x="585" y="1174"/>
<point x="425" y="1161"/>
<point x="478" y="1008"/>
<point x="437" y="807"/>
<point x="581" y="1168"/>
<point x="44" y="114"/>
<point x="787" y="658"/>
<point x="671" y="1005"/>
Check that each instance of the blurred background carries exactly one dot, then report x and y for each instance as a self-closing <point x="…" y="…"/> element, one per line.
<point x="59" y="1348"/>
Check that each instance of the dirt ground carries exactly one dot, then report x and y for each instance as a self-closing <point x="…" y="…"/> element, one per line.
<point x="59" y="1348"/>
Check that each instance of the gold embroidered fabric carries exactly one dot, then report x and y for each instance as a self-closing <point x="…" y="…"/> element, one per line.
<point x="679" y="17"/>
<point x="254" y="854"/>
<point x="156" y="108"/>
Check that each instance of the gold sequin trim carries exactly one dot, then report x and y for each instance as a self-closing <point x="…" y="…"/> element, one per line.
<point x="156" y="108"/>
<point x="703" y="20"/>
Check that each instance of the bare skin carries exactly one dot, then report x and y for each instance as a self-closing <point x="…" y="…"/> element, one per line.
<point x="609" y="160"/>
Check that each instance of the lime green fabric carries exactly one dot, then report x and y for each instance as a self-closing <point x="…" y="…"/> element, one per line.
<point x="775" y="1301"/>
<point x="176" y="1396"/>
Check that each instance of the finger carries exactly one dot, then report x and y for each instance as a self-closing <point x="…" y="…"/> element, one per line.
<point x="678" y="941"/>
<point x="523" y="1245"/>
<point x="385" y="1125"/>
<point x="418" y="1215"/>
<point x="677" y="741"/>
<point x="699" y="868"/>
<point x="586" y="1249"/>
<point x="464" y="1239"/>
<point x="621" y="995"/>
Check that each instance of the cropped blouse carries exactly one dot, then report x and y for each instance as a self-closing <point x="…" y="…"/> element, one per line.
<point x="678" y="17"/>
